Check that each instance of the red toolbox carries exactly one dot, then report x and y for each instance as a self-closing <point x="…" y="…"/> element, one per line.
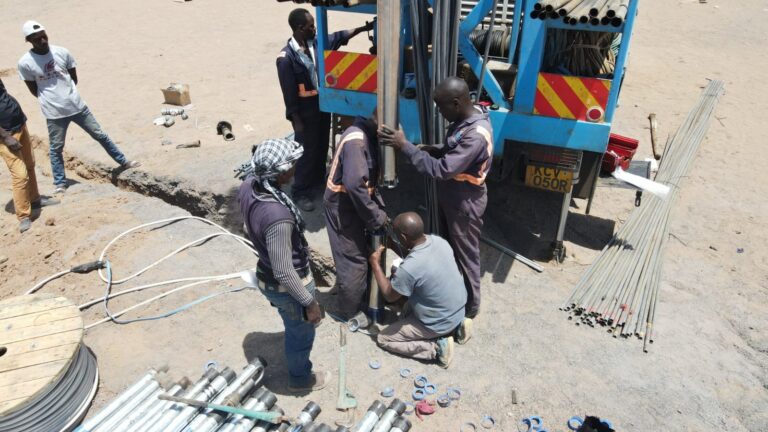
<point x="620" y="151"/>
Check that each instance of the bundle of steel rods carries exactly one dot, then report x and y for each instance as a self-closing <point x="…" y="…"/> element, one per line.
<point x="580" y="52"/>
<point x="444" y="42"/>
<point x="620" y="289"/>
<point x="594" y="12"/>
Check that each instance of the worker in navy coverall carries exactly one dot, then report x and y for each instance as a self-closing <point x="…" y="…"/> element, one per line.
<point x="298" y="74"/>
<point x="352" y="207"/>
<point x="460" y="166"/>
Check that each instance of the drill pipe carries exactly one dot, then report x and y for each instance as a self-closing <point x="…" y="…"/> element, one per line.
<point x="388" y="90"/>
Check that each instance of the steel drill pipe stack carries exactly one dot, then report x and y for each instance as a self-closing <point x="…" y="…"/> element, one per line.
<point x="594" y="12"/>
<point x="620" y="289"/>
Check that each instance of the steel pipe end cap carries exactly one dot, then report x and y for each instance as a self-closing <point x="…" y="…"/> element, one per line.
<point x="397" y="406"/>
<point x="377" y="407"/>
<point x="184" y="382"/>
<point x="402" y="423"/>
<point x="259" y="361"/>
<point x="228" y="374"/>
<point x="269" y="399"/>
<point x="312" y="409"/>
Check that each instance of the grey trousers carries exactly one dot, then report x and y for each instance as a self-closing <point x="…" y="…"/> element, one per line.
<point x="409" y="337"/>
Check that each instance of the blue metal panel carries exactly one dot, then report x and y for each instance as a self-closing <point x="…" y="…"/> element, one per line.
<point x="516" y="18"/>
<point x="531" y="54"/>
<point x="564" y="133"/>
<point x="621" y="59"/>
<point x="473" y="57"/>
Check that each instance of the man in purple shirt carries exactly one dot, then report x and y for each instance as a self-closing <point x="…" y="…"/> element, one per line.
<point x="276" y="227"/>
<point x="460" y="166"/>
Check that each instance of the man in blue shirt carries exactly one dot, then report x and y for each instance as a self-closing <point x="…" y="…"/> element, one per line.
<point x="298" y="74"/>
<point x="429" y="277"/>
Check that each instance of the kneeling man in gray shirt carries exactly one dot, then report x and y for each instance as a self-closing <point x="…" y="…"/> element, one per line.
<point x="430" y="279"/>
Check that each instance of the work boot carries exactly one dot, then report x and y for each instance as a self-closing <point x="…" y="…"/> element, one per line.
<point x="131" y="164"/>
<point x="464" y="332"/>
<point x="445" y="351"/>
<point x="305" y="204"/>
<point x="25" y="224"/>
<point x="45" y="202"/>
<point x="319" y="380"/>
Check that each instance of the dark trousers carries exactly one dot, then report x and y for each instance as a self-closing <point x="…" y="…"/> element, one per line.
<point x="461" y="222"/>
<point x="299" y="335"/>
<point x="310" y="169"/>
<point x="346" y="234"/>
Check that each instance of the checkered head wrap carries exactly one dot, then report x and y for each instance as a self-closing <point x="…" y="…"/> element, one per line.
<point x="270" y="159"/>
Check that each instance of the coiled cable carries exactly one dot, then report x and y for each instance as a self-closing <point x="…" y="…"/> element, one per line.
<point x="64" y="405"/>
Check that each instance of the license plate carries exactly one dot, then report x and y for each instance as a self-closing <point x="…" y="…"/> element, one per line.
<point x="547" y="178"/>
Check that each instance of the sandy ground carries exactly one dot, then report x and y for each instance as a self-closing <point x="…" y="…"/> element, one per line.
<point x="707" y="370"/>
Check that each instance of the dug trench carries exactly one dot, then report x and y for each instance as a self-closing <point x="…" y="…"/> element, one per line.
<point x="179" y="192"/>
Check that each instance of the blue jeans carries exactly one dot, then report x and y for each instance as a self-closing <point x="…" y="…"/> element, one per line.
<point x="299" y="335"/>
<point x="57" y="135"/>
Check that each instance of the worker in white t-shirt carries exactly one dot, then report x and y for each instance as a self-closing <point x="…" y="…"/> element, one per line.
<point x="51" y="76"/>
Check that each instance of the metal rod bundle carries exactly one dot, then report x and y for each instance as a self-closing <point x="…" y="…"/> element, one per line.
<point x="445" y="30"/>
<point x="580" y="52"/>
<point x="594" y="12"/>
<point x="388" y="83"/>
<point x="620" y="289"/>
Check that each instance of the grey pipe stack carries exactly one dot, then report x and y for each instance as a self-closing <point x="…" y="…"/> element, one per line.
<point x="159" y="406"/>
<point x="371" y="417"/>
<point x="178" y="422"/>
<point x="209" y="419"/>
<point x="388" y="82"/>
<point x="395" y="410"/>
<point x="109" y="425"/>
<point x="148" y="407"/>
<point x="261" y="400"/>
<point x="115" y="405"/>
<point x="175" y="409"/>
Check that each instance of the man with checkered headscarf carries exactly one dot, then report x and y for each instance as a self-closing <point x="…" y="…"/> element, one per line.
<point x="276" y="228"/>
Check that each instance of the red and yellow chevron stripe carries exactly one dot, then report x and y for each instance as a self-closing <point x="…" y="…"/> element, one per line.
<point x="571" y="97"/>
<point x="350" y="71"/>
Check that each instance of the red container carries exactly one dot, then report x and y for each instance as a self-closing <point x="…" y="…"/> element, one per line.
<point x="619" y="153"/>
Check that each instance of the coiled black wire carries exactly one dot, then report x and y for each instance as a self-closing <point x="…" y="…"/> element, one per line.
<point x="499" y="45"/>
<point x="59" y="408"/>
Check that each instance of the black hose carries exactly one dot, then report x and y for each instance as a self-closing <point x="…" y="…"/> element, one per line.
<point x="63" y="406"/>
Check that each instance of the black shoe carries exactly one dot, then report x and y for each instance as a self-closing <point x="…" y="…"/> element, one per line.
<point x="45" y="202"/>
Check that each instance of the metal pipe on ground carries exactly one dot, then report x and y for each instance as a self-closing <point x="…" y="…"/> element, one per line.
<point x="175" y="409"/>
<point x="395" y="410"/>
<point x="371" y="417"/>
<point x="115" y="405"/>
<point x="209" y="419"/>
<point x="153" y="413"/>
<point x="261" y="400"/>
<point x="189" y="412"/>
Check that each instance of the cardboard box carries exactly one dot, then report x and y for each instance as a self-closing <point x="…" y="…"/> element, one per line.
<point x="177" y="94"/>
